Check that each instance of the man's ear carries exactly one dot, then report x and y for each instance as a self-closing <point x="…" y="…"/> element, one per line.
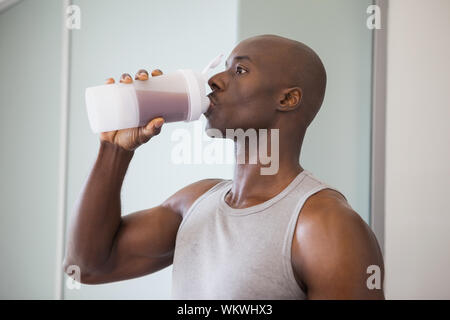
<point x="290" y="99"/>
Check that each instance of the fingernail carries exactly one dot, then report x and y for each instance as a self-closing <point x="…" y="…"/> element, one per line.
<point x="126" y="78"/>
<point x="141" y="75"/>
<point x="156" y="72"/>
<point x="159" y="123"/>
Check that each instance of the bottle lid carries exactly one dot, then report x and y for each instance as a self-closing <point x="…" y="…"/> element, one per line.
<point x="196" y="83"/>
<point x="196" y="88"/>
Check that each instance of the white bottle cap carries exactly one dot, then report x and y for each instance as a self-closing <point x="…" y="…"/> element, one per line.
<point x="196" y="87"/>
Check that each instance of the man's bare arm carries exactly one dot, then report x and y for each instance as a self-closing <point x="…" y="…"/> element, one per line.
<point x="332" y="250"/>
<point x="106" y="246"/>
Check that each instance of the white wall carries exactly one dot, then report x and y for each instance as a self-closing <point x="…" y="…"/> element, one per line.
<point x="417" y="221"/>
<point x="30" y="59"/>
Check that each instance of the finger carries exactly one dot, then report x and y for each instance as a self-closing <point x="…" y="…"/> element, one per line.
<point x="108" y="135"/>
<point x="156" y="73"/>
<point x="141" y="75"/>
<point x="153" y="127"/>
<point x="110" y="81"/>
<point x="126" y="78"/>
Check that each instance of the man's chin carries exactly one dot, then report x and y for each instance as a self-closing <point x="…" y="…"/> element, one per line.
<point x="214" y="131"/>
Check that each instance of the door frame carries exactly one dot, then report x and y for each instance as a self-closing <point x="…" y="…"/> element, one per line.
<point x="378" y="134"/>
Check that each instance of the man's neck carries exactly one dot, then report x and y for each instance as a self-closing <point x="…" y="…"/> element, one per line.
<point x="251" y="188"/>
<point x="251" y="184"/>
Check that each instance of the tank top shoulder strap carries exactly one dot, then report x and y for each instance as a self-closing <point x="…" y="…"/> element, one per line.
<point x="205" y="195"/>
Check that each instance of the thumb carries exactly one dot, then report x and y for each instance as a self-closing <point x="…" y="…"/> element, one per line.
<point x="153" y="128"/>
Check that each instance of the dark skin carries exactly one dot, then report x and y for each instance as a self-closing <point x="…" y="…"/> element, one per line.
<point x="280" y="86"/>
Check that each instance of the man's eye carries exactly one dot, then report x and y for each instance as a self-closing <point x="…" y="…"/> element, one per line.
<point x="240" y="70"/>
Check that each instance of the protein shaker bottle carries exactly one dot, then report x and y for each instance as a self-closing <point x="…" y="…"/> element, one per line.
<point x="177" y="96"/>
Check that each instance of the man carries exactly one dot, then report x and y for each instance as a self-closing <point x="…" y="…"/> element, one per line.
<point x="280" y="236"/>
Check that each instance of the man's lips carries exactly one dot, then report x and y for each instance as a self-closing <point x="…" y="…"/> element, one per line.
<point x="212" y="104"/>
<point x="212" y="98"/>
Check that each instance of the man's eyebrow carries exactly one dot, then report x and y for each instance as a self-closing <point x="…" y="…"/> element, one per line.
<point x="239" y="58"/>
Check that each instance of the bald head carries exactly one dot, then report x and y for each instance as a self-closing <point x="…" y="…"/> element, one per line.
<point x="291" y="63"/>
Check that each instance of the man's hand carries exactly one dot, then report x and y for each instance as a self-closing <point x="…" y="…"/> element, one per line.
<point x="131" y="138"/>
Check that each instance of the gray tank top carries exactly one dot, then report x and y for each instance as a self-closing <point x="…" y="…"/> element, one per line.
<point x="227" y="253"/>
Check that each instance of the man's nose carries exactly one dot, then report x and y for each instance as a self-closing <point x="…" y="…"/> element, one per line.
<point x="216" y="82"/>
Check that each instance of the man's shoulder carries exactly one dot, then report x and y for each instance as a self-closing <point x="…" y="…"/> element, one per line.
<point x="182" y="200"/>
<point x="328" y="222"/>
<point x="326" y="200"/>
<point x="332" y="243"/>
<point x="329" y="210"/>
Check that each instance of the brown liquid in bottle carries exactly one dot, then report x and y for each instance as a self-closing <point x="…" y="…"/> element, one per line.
<point x="172" y="106"/>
